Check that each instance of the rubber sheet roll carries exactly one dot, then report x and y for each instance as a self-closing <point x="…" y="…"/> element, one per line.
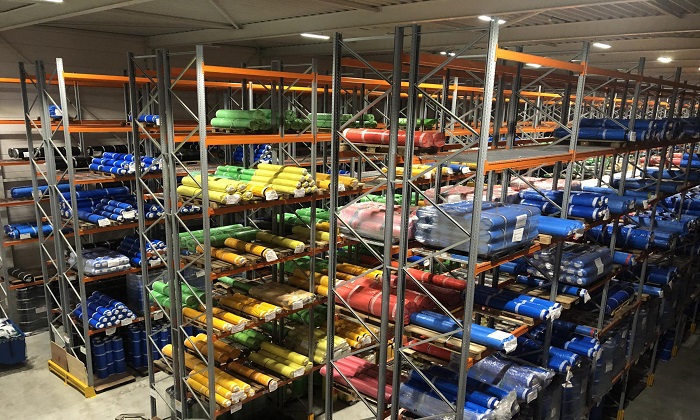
<point x="379" y="136"/>
<point x="479" y="334"/>
<point x="556" y="226"/>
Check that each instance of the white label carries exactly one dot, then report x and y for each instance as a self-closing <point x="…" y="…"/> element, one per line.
<point x="271" y="195"/>
<point x="586" y="297"/>
<point x="200" y="273"/>
<point x="82" y="350"/>
<point x="25" y="236"/>
<point x="297" y="305"/>
<point x="341" y="187"/>
<point x="299" y="249"/>
<point x="569" y="375"/>
<point x="599" y="265"/>
<point x="269" y="316"/>
<point x="297" y="373"/>
<point x="158" y="315"/>
<point x="299" y="193"/>
<point x="113" y="262"/>
<point x="499" y="335"/>
<point x="520" y="220"/>
<point x="518" y="234"/>
<point x="126" y="321"/>
<point x="111" y="331"/>
<point x="272" y="386"/>
<point x="129" y="214"/>
<point x="154" y="263"/>
<point x="454" y="198"/>
<point x="103" y="222"/>
<point x="232" y="199"/>
<point x="608" y="366"/>
<point x="40" y="309"/>
<point x="270" y="256"/>
<point x="236" y="407"/>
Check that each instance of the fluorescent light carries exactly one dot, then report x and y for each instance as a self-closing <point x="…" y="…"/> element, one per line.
<point x="489" y="19"/>
<point x="54" y="1"/>
<point x="601" y="45"/>
<point x="315" y="36"/>
<point x="443" y="52"/>
<point x="533" y="65"/>
<point x="452" y="54"/>
<point x="664" y="59"/>
<point x="575" y="60"/>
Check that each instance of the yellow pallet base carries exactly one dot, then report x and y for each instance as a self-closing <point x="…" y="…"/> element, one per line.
<point x="69" y="379"/>
<point x="621" y="415"/>
<point x="650" y="380"/>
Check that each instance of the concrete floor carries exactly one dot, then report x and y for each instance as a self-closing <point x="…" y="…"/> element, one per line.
<point x="32" y="392"/>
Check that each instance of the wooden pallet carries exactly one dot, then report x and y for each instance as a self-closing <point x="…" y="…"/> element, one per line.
<point x="615" y="144"/>
<point x="218" y="266"/>
<point x="449" y="343"/>
<point x="383" y="149"/>
<point x="113" y="381"/>
<point x="214" y="204"/>
<point x="565" y="300"/>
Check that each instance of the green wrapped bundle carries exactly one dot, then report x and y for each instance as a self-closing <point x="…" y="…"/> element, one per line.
<point x="241" y="124"/>
<point x="250" y="339"/>
<point x="162" y="299"/>
<point x="302" y="317"/>
<point x="321" y="214"/>
<point x="256" y="114"/>
<point x="428" y="123"/>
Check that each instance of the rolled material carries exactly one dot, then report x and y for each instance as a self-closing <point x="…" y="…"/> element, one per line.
<point x="297" y="246"/>
<point x="306" y="232"/>
<point x="221" y="357"/>
<point x="216" y="196"/>
<point x="275" y="366"/>
<point x="479" y="334"/>
<point x="259" y="377"/>
<point x="219" y="184"/>
<point x="202" y="318"/>
<point x="220" y="390"/>
<point x="250" y="306"/>
<point x="268" y="253"/>
<point x="203" y="390"/>
<point x="295" y="357"/>
<point x="379" y="136"/>
<point x="230" y="257"/>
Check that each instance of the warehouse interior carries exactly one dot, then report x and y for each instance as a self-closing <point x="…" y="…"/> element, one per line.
<point x="268" y="209"/>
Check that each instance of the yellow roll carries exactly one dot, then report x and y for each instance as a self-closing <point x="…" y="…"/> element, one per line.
<point x="235" y="259"/>
<point x="205" y="381"/>
<point x="295" y="357"/>
<point x="220" y="356"/>
<point x="204" y="390"/>
<point x="246" y="305"/>
<point x="255" y="301"/>
<point x="345" y="180"/>
<point x="278" y="188"/>
<point x="280" y="359"/>
<point x="279" y="168"/>
<point x="297" y="246"/>
<point x="282" y="175"/>
<point x="228" y="316"/>
<point x="306" y="232"/>
<point x="216" y="196"/>
<point x="262" y="191"/>
<point x="274" y="365"/>
<point x="220" y="345"/>
<point x="226" y="185"/>
<point x="237" y="244"/>
<point x="219" y="324"/>
<point x="276" y="181"/>
<point x="253" y="374"/>
<point x="222" y="378"/>
<point x="355" y="270"/>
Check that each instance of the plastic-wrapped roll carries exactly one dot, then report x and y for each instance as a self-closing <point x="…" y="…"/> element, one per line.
<point x="589" y="213"/>
<point x="588" y="199"/>
<point x="275" y="366"/>
<point x="267" y="192"/>
<point x="20" y="274"/>
<point x="297" y="246"/>
<point x="533" y="195"/>
<point x="220" y="356"/>
<point x="279" y="168"/>
<point x="203" y="390"/>
<point x="259" y="377"/>
<point x="220" y="390"/>
<point x="279" y="188"/>
<point x="303" y="283"/>
<point x="201" y="317"/>
<point x="288" y="176"/>
<point x="347" y="181"/>
<point x="219" y="184"/>
<point x="480" y="334"/>
<point x="268" y="253"/>
<point x="559" y="227"/>
<point x="248" y="305"/>
<point x="379" y="136"/>
<point x="295" y="357"/>
<point x="235" y="259"/>
<point x="306" y="232"/>
<point x="276" y="181"/>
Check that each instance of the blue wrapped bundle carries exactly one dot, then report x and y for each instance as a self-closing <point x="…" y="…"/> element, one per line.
<point x="646" y="184"/>
<point x="518" y="266"/>
<point x="618" y="294"/>
<point x="624" y="258"/>
<point x="479" y="334"/>
<point x="417" y="398"/>
<point x="589" y="213"/>
<point x="673" y="174"/>
<point x="588" y="199"/>
<point x="533" y="195"/>
<point x="99" y="261"/>
<point x="519" y="304"/>
<point x="502" y="227"/>
<point x="525" y="381"/>
<point x="26" y="230"/>
<point x="28" y="191"/>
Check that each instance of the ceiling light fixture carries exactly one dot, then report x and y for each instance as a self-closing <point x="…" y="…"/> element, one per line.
<point x="443" y="52"/>
<point x="602" y="45"/>
<point x="489" y="19"/>
<point x="54" y="1"/>
<point x="664" y="59"/>
<point x="575" y="60"/>
<point x="533" y="65"/>
<point x="315" y="36"/>
<point x="452" y="54"/>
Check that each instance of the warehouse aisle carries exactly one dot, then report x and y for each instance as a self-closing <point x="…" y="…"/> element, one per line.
<point x="31" y="392"/>
<point x="676" y="388"/>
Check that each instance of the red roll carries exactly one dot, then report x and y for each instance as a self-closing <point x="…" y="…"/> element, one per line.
<point x="379" y="136"/>
<point x="433" y="350"/>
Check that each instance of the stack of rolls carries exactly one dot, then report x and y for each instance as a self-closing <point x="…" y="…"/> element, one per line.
<point x="355" y="334"/>
<point x="262" y="153"/>
<point x="301" y="279"/>
<point x="281" y="360"/>
<point x="426" y="171"/>
<point x="585" y="205"/>
<point x="250" y="338"/>
<point x="104" y="312"/>
<point x="220" y="190"/>
<point x="192" y="240"/>
<point x="291" y="180"/>
<point x="344" y="182"/>
<point x="199" y="372"/>
<point x="282" y="295"/>
<point x="123" y="163"/>
<point x="257" y="120"/>
<point x="256" y="376"/>
<point x="362" y="374"/>
<point x="223" y="320"/>
<point x="423" y="139"/>
<point x="28" y="190"/>
<point x="260" y="250"/>
<point x="223" y="353"/>
<point x="99" y="260"/>
<point x="250" y="306"/>
<point x="297" y="340"/>
<point x="27" y="230"/>
<point x="131" y="247"/>
<point x="191" y="296"/>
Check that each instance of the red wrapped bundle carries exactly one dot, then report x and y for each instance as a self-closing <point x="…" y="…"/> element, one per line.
<point x="368" y="300"/>
<point x="361" y="374"/>
<point x="437" y="279"/>
<point x="379" y="136"/>
<point x="367" y="219"/>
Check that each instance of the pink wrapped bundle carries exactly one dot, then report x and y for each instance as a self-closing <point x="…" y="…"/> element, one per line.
<point x="369" y="301"/>
<point x="379" y="136"/>
<point x="367" y="219"/>
<point x="438" y="279"/>
<point x="369" y="385"/>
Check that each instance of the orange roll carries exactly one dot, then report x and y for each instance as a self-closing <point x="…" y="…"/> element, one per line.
<point x="205" y="381"/>
<point x="204" y="390"/>
<point x="219" y="324"/>
<point x="253" y="374"/>
<point x="262" y="251"/>
<point x="221" y="357"/>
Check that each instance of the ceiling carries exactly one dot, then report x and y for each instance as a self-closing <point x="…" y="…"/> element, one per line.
<point x="634" y="28"/>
